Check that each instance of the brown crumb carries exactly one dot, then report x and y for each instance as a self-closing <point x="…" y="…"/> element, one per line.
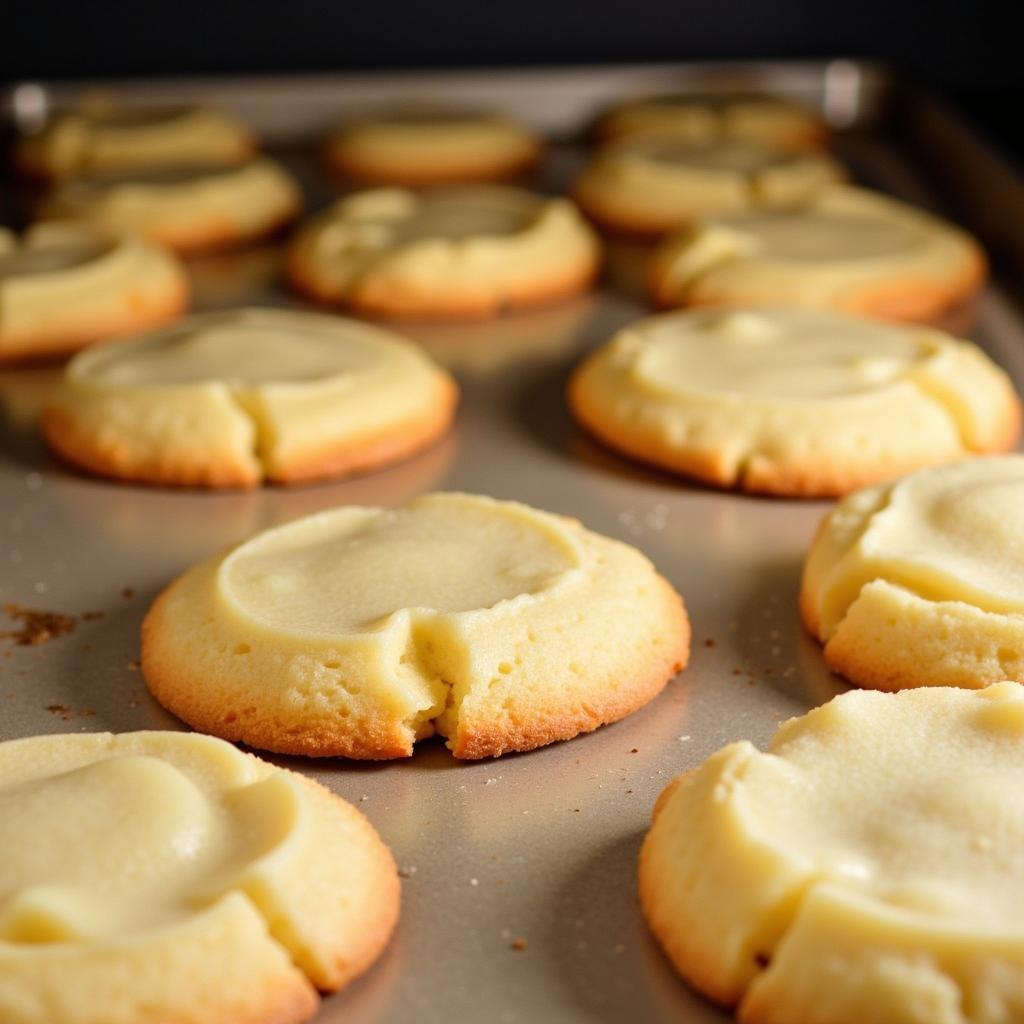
<point x="59" y="709"/>
<point x="737" y="672"/>
<point x="635" y="750"/>
<point x="93" y="616"/>
<point x="519" y="944"/>
<point x="709" y="642"/>
<point x="134" y="665"/>
<point x="36" y="626"/>
<point x="127" y="593"/>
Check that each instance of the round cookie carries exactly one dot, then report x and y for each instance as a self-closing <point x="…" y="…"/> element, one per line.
<point x="792" y="401"/>
<point x="845" y="248"/>
<point x="157" y="876"/>
<point x="100" y="137"/>
<point x="231" y="398"/>
<point x="357" y="631"/>
<point x="452" y="253"/>
<point x="868" y="868"/>
<point x="652" y="185"/>
<point x="431" y="146"/>
<point x="918" y="583"/>
<point x="737" y="117"/>
<point x="189" y="209"/>
<point x="64" y="286"/>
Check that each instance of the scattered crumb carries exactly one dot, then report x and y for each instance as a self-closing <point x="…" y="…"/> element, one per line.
<point x="134" y="665"/>
<point x="127" y="593"/>
<point x="737" y="671"/>
<point x="635" y="750"/>
<point x="364" y="798"/>
<point x="93" y="616"/>
<point x="490" y="782"/>
<point x="519" y="944"/>
<point x="629" y="792"/>
<point x="474" y="881"/>
<point x="684" y="739"/>
<point x="62" y="710"/>
<point x="36" y="626"/>
<point x="407" y="872"/>
<point x="710" y="642"/>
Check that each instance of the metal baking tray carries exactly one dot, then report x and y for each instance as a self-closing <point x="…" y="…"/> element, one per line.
<point x="539" y="847"/>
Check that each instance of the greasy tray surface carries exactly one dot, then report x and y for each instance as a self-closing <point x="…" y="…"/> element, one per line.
<point x="541" y="846"/>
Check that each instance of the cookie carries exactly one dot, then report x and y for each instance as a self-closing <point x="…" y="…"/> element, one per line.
<point x="792" y="401"/>
<point x="357" y="631"/>
<point x="738" y="117"/>
<point x="231" y="398"/>
<point x="866" y="868"/>
<point x="64" y="286"/>
<point x="649" y="186"/>
<point x="918" y="583"/>
<point x="453" y="253"/>
<point x="157" y="876"/>
<point x="431" y="146"/>
<point x="101" y="137"/>
<point x="846" y="248"/>
<point x="189" y="209"/>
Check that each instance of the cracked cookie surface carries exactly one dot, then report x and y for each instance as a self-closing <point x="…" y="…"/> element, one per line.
<point x="867" y="868"/>
<point x="918" y="583"/>
<point x="158" y="876"/>
<point x="450" y="253"/>
<point x="358" y="631"/>
<point x="651" y="186"/>
<point x="228" y="399"/>
<point x="190" y="209"/>
<point x="100" y="136"/>
<point x="64" y="286"/>
<point x="845" y="248"/>
<point x="792" y="401"/>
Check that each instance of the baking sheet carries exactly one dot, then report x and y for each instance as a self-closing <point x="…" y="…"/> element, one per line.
<point x="539" y="847"/>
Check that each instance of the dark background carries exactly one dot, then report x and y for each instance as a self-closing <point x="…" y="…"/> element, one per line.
<point x="971" y="53"/>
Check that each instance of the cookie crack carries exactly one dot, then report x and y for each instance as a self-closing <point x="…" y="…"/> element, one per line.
<point x="249" y="404"/>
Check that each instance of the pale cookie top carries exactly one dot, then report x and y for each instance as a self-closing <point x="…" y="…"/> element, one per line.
<point x="270" y="389"/>
<point x="58" y="267"/>
<point x="660" y="183"/>
<point x="799" y="387"/>
<point x="845" y="248"/>
<point x="349" y="571"/>
<point x="101" y="137"/>
<point x="696" y="118"/>
<point x="358" y="631"/>
<point x="951" y="533"/>
<point x="186" y="201"/>
<point x="420" y="144"/>
<point x="882" y="834"/>
<point x="117" y="847"/>
<point x="393" y="245"/>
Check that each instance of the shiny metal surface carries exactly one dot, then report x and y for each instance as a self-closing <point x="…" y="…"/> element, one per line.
<point x="540" y="847"/>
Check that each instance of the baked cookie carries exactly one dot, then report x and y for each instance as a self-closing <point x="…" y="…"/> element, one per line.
<point x="652" y="185"/>
<point x="792" y="401"/>
<point x="189" y="209"/>
<point x="918" y="583"/>
<point x="357" y="631"/>
<point x="867" y="868"/>
<point x="447" y="254"/>
<point x="431" y="146"/>
<point x="740" y="117"/>
<point x="232" y="398"/>
<point x="846" y="248"/>
<point x="64" y="286"/>
<point x="101" y="137"/>
<point x="157" y="876"/>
